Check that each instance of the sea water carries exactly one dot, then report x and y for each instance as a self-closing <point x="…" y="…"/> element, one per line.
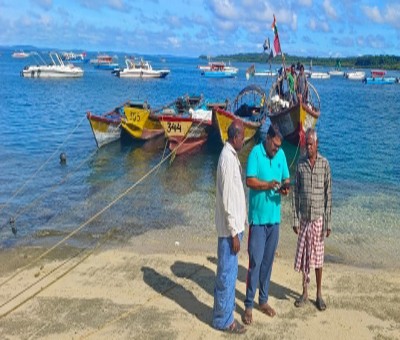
<point x="40" y="118"/>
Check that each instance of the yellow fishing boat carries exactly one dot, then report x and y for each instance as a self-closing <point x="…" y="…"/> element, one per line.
<point x="249" y="108"/>
<point x="140" y="122"/>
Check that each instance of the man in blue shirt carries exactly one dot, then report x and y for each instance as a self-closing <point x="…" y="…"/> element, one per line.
<point x="267" y="177"/>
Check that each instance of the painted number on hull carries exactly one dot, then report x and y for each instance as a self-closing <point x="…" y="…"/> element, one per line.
<point x="174" y="127"/>
<point x="135" y="117"/>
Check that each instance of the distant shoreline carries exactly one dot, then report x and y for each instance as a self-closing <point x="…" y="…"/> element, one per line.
<point x="389" y="62"/>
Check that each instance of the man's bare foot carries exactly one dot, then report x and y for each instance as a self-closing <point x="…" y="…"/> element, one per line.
<point x="247" y="317"/>
<point x="267" y="309"/>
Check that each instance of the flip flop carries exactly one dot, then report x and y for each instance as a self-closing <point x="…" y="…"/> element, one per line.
<point x="236" y="328"/>
<point x="301" y="301"/>
<point x="247" y="316"/>
<point x="267" y="309"/>
<point x="320" y="304"/>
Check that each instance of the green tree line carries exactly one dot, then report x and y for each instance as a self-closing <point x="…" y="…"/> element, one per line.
<point x="389" y="62"/>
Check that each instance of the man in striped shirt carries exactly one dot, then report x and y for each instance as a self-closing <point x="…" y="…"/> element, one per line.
<point x="312" y="205"/>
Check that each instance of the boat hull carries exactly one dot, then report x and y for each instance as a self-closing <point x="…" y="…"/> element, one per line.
<point x="106" y="128"/>
<point x="222" y="120"/>
<point x="142" y="74"/>
<point x="386" y="80"/>
<point x="293" y="122"/>
<point x="140" y="123"/>
<point x="52" y="72"/>
<point x="185" y="135"/>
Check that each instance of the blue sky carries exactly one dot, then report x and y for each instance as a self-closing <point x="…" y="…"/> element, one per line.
<point x="337" y="28"/>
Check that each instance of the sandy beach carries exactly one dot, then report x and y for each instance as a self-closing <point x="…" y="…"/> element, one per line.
<point x="159" y="285"/>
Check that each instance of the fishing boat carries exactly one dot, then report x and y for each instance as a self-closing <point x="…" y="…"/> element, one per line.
<point x="55" y="69"/>
<point x="106" y="128"/>
<point x="140" y="122"/>
<point x="378" y="77"/>
<point x="293" y="119"/>
<point x="188" y="123"/>
<point x="292" y="115"/>
<point x="142" y="69"/>
<point x="355" y="75"/>
<point x="219" y="70"/>
<point x="249" y="107"/>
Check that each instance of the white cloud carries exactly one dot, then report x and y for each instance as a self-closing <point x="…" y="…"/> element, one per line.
<point x="306" y="3"/>
<point x="373" y="13"/>
<point x="224" y="9"/>
<point x="390" y="15"/>
<point x="329" y="10"/>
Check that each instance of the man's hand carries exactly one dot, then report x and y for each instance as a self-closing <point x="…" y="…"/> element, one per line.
<point x="296" y="230"/>
<point x="328" y="232"/>
<point x="235" y="244"/>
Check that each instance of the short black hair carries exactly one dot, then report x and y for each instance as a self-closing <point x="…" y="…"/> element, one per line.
<point x="274" y="131"/>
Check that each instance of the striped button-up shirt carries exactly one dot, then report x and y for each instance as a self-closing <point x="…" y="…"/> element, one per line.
<point x="312" y="194"/>
<point x="231" y="210"/>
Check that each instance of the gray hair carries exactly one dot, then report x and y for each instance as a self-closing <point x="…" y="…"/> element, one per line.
<point x="312" y="133"/>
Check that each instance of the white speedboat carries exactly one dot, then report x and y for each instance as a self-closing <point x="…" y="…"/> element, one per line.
<point x="20" y="54"/>
<point x="320" y="75"/>
<point x="356" y="75"/>
<point x="55" y="69"/>
<point x="142" y="69"/>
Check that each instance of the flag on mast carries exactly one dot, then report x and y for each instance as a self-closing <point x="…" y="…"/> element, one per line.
<point x="276" y="47"/>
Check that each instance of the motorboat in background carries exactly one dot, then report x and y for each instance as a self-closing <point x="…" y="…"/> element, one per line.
<point x="20" y="54"/>
<point x="219" y="70"/>
<point x="142" y="69"/>
<point x="355" y="75"/>
<point x="320" y="75"/>
<point x="55" y="69"/>
<point x="74" y="58"/>
<point x="104" y="62"/>
<point x="378" y="77"/>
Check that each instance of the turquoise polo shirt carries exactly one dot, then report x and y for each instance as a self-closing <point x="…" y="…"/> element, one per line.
<point x="265" y="205"/>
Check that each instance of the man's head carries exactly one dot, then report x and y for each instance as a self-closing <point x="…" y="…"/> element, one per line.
<point x="293" y="69"/>
<point x="301" y="68"/>
<point x="236" y="134"/>
<point x="273" y="140"/>
<point x="311" y="143"/>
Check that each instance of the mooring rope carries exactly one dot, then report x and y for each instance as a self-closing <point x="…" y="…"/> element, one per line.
<point x="36" y="260"/>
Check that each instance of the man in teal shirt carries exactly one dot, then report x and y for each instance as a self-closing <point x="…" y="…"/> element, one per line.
<point x="267" y="177"/>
